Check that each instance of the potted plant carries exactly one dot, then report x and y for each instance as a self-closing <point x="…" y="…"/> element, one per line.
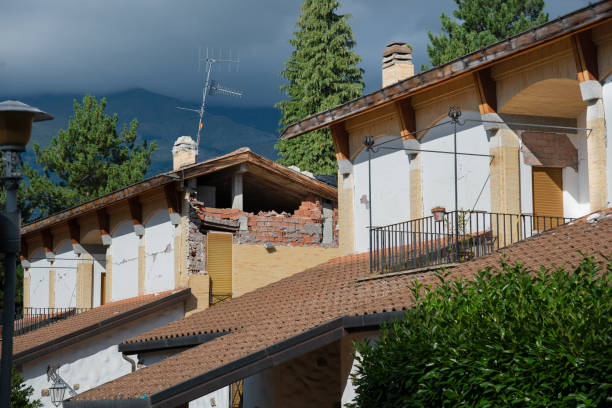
<point x="438" y="213"/>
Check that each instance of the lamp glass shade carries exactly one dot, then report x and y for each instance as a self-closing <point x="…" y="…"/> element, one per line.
<point x="57" y="393"/>
<point x="16" y="122"/>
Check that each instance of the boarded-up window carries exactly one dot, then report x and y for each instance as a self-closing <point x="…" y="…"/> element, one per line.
<point x="219" y="254"/>
<point x="547" y="196"/>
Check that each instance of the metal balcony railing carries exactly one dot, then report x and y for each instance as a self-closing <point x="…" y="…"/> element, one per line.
<point x="32" y="318"/>
<point x="452" y="237"/>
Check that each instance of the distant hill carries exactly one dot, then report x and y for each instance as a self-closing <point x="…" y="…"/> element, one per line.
<point x="225" y="128"/>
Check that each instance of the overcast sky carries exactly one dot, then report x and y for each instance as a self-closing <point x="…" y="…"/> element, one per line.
<point x="102" y="46"/>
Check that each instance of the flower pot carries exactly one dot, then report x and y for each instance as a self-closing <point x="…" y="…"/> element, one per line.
<point x="438" y="213"/>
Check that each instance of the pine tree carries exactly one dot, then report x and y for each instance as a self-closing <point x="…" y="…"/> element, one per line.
<point x="85" y="161"/>
<point x="322" y="72"/>
<point x="482" y="22"/>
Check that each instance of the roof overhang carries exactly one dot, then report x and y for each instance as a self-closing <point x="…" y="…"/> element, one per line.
<point x="241" y="156"/>
<point x="580" y="20"/>
<point x="169" y="343"/>
<point x="252" y="364"/>
<point x="100" y="327"/>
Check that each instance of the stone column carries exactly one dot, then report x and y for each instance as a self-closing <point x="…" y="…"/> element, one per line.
<point x="84" y="294"/>
<point x="346" y="223"/>
<point x="142" y="266"/>
<point x="596" y="144"/>
<point x="51" y="287"/>
<point x="504" y="170"/>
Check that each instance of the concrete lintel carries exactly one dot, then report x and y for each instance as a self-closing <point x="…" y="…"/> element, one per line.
<point x="25" y="263"/>
<point x="412" y="144"/>
<point x="139" y="230"/>
<point x="591" y="90"/>
<point x="345" y="166"/>
<point x="175" y="218"/>
<point x="50" y="256"/>
<point x="493" y="117"/>
<point x="78" y="248"/>
<point x="106" y="239"/>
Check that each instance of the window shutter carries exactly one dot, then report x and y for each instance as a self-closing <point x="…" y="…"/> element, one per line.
<point x="219" y="253"/>
<point x="547" y="195"/>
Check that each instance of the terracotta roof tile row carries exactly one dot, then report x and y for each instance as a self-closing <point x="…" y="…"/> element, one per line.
<point x="284" y="309"/>
<point x="34" y="343"/>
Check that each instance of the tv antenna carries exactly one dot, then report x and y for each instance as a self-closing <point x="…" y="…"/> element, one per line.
<point x="212" y="87"/>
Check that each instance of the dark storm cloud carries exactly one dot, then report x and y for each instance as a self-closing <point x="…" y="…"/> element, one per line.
<point x="108" y="45"/>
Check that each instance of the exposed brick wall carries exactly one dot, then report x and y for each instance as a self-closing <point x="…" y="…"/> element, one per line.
<point x="304" y="227"/>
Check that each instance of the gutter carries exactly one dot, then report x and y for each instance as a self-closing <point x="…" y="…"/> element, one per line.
<point x="100" y="327"/>
<point x="169" y="343"/>
<point x="254" y="363"/>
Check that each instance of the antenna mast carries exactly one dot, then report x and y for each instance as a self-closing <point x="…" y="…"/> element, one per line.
<point x="211" y="86"/>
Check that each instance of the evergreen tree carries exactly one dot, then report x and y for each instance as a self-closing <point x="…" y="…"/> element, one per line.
<point x="87" y="160"/>
<point x="482" y="22"/>
<point x="322" y="72"/>
<point x="21" y="393"/>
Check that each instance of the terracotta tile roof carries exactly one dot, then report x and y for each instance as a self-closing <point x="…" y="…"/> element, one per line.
<point x="72" y="329"/>
<point x="261" y="319"/>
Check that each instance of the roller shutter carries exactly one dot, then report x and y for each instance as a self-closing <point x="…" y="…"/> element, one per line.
<point x="547" y="195"/>
<point x="219" y="253"/>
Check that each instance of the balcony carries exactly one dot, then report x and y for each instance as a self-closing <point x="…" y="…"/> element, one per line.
<point x="451" y="238"/>
<point x="32" y="318"/>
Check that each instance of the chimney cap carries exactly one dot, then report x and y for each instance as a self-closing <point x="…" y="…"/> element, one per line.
<point x="397" y="48"/>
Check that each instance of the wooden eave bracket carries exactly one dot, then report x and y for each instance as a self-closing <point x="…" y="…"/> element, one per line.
<point x="340" y="138"/>
<point x="75" y="236"/>
<point x="47" y="239"/>
<point x="486" y="91"/>
<point x="136" y="214"/>
<point x="104" y="225"/>
<point x="173" y="203"/>
<point x="24" y="253"/>
<point x="585" y="56"/>
<point x="407" y="118"/>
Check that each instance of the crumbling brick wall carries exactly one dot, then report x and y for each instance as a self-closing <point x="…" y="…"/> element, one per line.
<point x="195" y="245"/>
<point x="304" y="227"/>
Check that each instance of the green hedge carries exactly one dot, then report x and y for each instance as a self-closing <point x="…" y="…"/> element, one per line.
<point x="508" y="338"/>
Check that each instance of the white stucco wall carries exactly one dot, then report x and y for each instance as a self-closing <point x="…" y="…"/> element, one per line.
<point x="390" y="189"/>
<point x="159" y="243"/>
<point x="607" y="100"/>
<point x="472" y="171"/>
<point x="95" y="360"/>
<point x="65" y="266"/>
<point x="124" y="250"/>
<point x="39" y="279"/>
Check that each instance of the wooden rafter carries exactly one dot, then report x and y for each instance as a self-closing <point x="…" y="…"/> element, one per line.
<point x="135" y="210"/>
<point x="171" y="198"/>
<point x="75" y="231"/>
<point x="103" y="222"/>
<point x="47" y="239"/>
<point x="486" y="91"/>
<point x="24" y="249"/>
<point x="341" y="143"/>
<point x="407" y="118"/>
<point x="585" y="56"/>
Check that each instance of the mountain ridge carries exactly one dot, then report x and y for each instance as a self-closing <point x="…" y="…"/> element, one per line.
<point x="225" y="128"/>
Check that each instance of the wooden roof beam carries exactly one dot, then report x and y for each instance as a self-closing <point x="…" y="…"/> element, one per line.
<point x="136" y="214"/>
<point x="47" y="239"/>
<point x="486" y="91"/>
<point x="104" y="225"/>
<point x="585" y="56"/>
<point x="340" y="138"/>
<point x="173" y="203"/>
<point x="407" y="118"/>
<point x="75" y="236"/>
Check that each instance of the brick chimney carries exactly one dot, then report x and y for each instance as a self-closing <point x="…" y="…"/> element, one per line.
<point x="184" y="152"/>
<point x="397" y="63"/>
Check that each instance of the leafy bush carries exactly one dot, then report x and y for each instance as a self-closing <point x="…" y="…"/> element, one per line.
<point x="511" y="337"/>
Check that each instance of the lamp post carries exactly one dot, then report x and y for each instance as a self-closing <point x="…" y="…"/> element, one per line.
<point x="16" y="120"/>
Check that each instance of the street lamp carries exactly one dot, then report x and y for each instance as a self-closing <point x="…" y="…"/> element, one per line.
<point x="16" y="120"/>
<point x="58" y="389"/>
